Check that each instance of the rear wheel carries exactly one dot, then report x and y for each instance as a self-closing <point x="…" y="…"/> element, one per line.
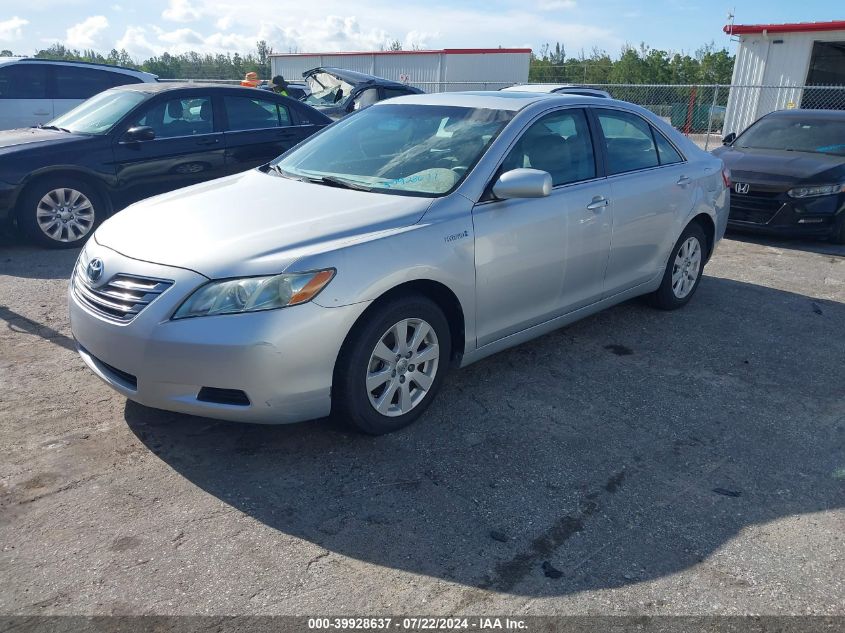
<point x="60" y="212"/>
<point x="393" y="365"/>
<point x="683" y="270"/>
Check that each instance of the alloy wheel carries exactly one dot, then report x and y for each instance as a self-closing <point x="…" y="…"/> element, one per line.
<point x="402" y="367"/>
<point x="65" y="215"/>
<point x="686" y="267"/>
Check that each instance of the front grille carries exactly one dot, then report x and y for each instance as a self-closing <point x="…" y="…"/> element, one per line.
<point x="122" y="298"/>
<point x="757" y="207"/>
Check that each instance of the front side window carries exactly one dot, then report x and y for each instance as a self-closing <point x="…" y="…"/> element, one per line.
<point x="23" y="81"/>
<point x="249" y="113"/>
<point x="81" y="83"/>
<point x="628" y="141"/>
<point x="179" y="117"/>
<point x="559" y="144"/>
<point x="100" y="113"/>
<point x="421" y="150"/>
<point x="795" y="133"/>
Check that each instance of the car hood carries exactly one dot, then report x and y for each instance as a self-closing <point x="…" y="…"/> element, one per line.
<point x="252" y="223"/>
<point x="11" y="140"/>
<point x="777" y="166"/>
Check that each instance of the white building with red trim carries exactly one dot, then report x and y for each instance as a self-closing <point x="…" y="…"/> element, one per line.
<point x="774" y="64"/>
<point x="448" y="70"/>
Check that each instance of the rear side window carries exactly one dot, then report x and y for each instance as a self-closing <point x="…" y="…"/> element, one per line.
<point x="249" y="113"/>
<point x="23" y="81"/>
<point x="73" y="82"/>
<point x="665" y="150"/>
<point x="628" y="141"/>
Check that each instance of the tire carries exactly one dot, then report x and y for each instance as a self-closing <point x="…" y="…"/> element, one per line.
<point x="60" y="212"/>
<point x="399" y="390"/>
<point x="679" y="284"/>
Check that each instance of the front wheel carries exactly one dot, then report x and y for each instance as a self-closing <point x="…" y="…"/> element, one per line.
<point x="392" y="366"/>
<point x="60" y="212"/>
<point x="683" y="270"/>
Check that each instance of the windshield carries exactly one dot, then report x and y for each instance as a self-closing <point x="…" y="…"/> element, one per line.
<point x="100" y="113"/>
<point x="401" y="149"/>
<point x="327" y="90"/>
<point x="822" y="136"/>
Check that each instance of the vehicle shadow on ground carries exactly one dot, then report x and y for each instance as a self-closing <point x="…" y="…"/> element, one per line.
<point x="624" y="448"/>
<point x="20" y="259"/>
<point x="809" y="245"/>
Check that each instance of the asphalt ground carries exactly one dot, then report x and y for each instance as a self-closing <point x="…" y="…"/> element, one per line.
<point x="637" y="462"/>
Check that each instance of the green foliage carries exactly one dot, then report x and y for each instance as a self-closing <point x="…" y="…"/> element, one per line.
<point x="635" y="65"/>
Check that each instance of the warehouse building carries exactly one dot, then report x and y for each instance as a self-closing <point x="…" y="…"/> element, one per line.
<point x="776" y="62"/>
<point x="446" y="70"/>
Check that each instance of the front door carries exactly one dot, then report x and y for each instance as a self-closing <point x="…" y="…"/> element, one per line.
<point x="186" y="149"/>
<point x="540" y="258"/>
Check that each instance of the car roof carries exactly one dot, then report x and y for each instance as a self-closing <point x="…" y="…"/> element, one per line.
<point x="495" y="99"/>
<point x="165" y="86"/>
<point x="353" y="76"/>
<point x="70" y="62"/>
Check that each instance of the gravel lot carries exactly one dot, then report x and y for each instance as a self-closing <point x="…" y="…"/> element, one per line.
<point x="637" y="462"/>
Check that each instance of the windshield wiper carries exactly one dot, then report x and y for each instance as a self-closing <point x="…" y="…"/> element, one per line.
<point x="54" y="127"/>
<point x="334" y="181"/>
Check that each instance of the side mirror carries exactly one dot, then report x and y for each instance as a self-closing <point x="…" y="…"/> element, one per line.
<point x="523" y="183"/>
<point x="139" y="133"/>
<point x="730" y="138"/>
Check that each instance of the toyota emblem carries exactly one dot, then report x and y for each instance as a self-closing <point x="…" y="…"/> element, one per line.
<point x="95" y="270"/>
<point x="742" y="187"/>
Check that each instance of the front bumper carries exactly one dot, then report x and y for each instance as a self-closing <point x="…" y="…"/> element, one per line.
<point x="775" y="213"/>
<point x="283" y="360"/>
<point x="8" y="198"/>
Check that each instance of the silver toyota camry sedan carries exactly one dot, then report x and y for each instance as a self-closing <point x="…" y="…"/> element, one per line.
<point x="418" y="235"/>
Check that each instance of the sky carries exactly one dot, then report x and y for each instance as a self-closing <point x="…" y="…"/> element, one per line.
<point x="152" y="27"/>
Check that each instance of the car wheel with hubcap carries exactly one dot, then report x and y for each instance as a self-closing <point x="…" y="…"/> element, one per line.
<point x="683" y="270"/>
<point x="392" y="365"/>
<point x="61" y="212"/>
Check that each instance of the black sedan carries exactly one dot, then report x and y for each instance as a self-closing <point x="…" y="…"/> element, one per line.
<point x="60" y="180"/>
<point x="788" y="173"/>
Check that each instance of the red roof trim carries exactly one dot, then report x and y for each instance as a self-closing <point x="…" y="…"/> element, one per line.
<point x="797" y="27"/>
<point x="448" y="51"/>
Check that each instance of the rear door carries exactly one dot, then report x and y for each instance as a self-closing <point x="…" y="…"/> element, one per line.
<point x="258" y="130"/>
<point x="647" y="197"/>
<point x="188" y="147"/>
<point x="74" y="84"/>
<point x="24" y="95"/>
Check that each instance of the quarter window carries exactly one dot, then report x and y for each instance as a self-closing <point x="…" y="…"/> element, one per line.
<point x="23" y="81"/>
<point x="180" y="117"/>
<point x="559" y="144"/>
<point x="248" y="113"/>
<point x="628" y="141"/>
<point x="667" y="153"/>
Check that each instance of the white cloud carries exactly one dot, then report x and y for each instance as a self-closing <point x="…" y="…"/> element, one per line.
<point x="84" y="34"/>
<point x="135" y="42"/>
<point x="12" y="30"/>
<point x="181" y="11"/>
<point x="181" y="38"/>
<point x="556" y="5"/>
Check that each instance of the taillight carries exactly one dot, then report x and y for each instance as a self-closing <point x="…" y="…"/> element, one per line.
<point x="726" y="177"/>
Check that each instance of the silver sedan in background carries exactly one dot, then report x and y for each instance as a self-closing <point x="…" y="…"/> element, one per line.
<point x="420" y="234"/>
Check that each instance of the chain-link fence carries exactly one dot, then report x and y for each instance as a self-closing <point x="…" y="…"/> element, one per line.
<point x="705" y="113"/>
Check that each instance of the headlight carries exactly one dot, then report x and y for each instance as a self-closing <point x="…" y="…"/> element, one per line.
<point x="815" y="190"/>
<point x="254" y="294"/>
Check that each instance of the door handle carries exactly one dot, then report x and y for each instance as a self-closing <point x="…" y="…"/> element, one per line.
<point x="683" y="181"/>
<point x="208" y="141"/>
<point x="598" y="203"/>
